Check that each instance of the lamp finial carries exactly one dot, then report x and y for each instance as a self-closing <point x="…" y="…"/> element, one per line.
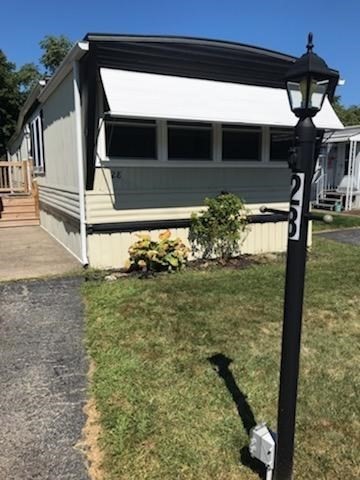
<point x="310" y="44"/>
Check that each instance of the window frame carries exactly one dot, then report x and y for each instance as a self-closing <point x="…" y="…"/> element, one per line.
<point x="162" y="159"/>
<point x="196" y="126"/>
<point x="245" y="129"/>
<point x="37" y="144"/>
<point x="134" y="123"/>
<point x="274" y="130"/>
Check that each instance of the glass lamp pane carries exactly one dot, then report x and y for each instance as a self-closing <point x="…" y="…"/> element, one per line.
<point x="295" y="95"/>
<point x="318" y="93"/>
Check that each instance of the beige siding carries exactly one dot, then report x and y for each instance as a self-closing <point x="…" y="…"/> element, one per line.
<point x="60" y="138"/>
<point x="157" y="193"/>
<point x="64" y="229"/>
<point x="111" y="250"/>
<point x="139" y="193"/>
<point x="58" y="186"/>
<point x="19" y="149"/>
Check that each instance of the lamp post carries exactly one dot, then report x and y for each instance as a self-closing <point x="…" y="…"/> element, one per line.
<point x="308" y="82"/>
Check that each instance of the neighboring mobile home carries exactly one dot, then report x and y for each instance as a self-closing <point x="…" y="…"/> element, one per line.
<point x="133" y="132"/>
<point x="338" y="178"/>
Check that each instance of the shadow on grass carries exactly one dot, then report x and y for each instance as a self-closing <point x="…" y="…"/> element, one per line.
<point x="221" y="364"/>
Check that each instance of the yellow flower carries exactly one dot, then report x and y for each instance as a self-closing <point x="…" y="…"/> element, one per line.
<point x="165" y="235"/>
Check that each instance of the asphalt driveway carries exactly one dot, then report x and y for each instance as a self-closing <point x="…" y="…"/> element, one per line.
<point x="43" y="380"/>
<point x="350" y="235"/>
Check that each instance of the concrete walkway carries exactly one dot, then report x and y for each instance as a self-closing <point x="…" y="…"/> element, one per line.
<point x="30" y="252"/>
<point x="43" y="380"/>
<point x="350" y="235"/>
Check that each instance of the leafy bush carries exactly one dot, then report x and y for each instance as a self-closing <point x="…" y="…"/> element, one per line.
<point x="148" y="255"/>
<point x="219" y="230"/>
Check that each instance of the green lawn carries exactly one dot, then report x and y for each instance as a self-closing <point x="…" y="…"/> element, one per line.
<point x="339" y="221"/>
<point x="168" y="414"/>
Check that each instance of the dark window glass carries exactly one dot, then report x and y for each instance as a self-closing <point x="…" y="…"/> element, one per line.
<point x="241" y="144"/>
<point x="32" y="141"/>
<point x="131" y="140"/>
<point x="347" y="151"/>
<point x="281" y="140"/>
<point x="189" y="142"/>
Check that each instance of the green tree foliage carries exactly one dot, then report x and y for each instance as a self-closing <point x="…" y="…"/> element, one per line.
<point x="55" y="49"/>
<point x="10" y="100"/>
<point x="348" y="115"/>
<point x="15" y="85"/>
<point x="27" y="77"/>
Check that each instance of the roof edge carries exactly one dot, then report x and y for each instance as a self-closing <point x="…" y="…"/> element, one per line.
<point x="40" y="93"/>
<point x="117" y="37"/>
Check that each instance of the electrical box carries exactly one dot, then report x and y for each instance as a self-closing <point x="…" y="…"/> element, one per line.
<point x="262" y="445"/>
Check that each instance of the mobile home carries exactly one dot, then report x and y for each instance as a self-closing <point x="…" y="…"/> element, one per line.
<point x="133" y="132"/>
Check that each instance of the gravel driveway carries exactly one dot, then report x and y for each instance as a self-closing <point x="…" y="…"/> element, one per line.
<point x="351" y="235"/>
<point x="43" y="380"/>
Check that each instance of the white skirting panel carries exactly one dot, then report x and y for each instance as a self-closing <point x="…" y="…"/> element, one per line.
<point x="65" y="231"/>
<point x="111" y="250"/>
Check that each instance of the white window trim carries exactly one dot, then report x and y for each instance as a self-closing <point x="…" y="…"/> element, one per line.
<point x="38" y="148"/>
<point x="162" y="151"/>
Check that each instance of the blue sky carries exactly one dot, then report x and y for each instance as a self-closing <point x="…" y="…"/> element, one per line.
<point x="275" y="24"/>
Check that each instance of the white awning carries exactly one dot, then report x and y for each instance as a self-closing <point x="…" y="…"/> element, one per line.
<point x="348" y="134"/>
<point x="147" y="95"/>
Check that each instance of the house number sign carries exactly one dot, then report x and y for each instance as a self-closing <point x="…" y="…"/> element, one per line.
<point x="296" y="202"/>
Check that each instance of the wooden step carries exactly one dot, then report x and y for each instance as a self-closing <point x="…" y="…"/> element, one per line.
<point x="18" y="209"/>
<point x="6" y="215"/>
<point x="18" y="223"/>
<point x="16" y="201"/>
<point x="333" y="195"/>
<point x="329" y="201"/>
<point x="323" y="206"/>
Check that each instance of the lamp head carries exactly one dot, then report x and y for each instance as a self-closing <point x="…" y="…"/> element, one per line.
<point x="308" y="81"/>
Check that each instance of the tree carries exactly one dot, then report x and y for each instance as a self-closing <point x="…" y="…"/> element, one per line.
<point x="15" y="85"/>
<point x="55" y="49"/>
<point x="348" y="115"/>
<point x="27" y="76"/>
<point x="10" y="100"/>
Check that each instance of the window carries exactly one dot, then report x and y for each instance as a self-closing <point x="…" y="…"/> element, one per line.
<point x="241" y="143"/>
<point x="131" y="139"/>
<point x="281" y="140"/>
<point x="37" y="144"/>
<point x="189" y="141"/>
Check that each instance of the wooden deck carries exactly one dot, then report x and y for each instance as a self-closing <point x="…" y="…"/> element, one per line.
<point x="19" y="204"/>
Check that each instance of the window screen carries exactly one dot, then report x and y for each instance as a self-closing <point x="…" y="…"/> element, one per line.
<point x="242" y="144"/>
<point x="189" y="141"/>
<point x="131" y="139"/>
<point x="281" y="140"/>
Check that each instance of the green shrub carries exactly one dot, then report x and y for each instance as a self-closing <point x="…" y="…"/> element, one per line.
<point x="148" y="255"/>
<point x="220" y="229"/>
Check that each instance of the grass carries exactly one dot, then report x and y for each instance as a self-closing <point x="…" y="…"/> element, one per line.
<point x="166" y="412"/>
<point x="339" y="221"/>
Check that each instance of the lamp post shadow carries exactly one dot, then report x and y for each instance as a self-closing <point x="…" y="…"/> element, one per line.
<point x="220" y="364"/>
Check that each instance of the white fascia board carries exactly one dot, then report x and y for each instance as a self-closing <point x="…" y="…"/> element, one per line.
<point x="147" y="95"/>
<point x="78" y="51"/>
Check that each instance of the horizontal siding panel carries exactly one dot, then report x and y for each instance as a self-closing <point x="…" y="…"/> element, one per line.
<point x="120" y="190"/>
<point x="111" y="250"/>
<point x="65" y="201"/>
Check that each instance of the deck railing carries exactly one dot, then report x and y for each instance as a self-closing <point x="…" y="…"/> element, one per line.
<point x="320" y="186"/>
<point x="15" y="177"/>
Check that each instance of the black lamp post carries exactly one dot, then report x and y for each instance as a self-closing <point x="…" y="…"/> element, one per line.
<point x="308" y="82"/>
